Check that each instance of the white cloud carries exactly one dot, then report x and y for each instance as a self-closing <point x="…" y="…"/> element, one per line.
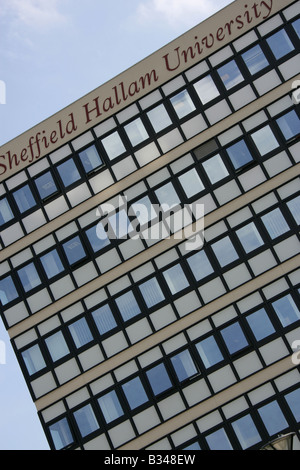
<point x="36" y="14"/>
<point x="178" y="11"/>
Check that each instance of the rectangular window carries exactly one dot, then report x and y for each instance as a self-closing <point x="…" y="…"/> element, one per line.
<point x="144" y="210"/>
<point x="159" y="118"/>
<point x="183" y="104"/>
<point x="159" y="379"/>
<point x="151" y="292"/>
<point x="265" y="140"/>
<point x="215" y="169"/>
<point x="293" y="400"/>
<point x="97" y="237"/>
<point x="218" y="440"/>
<point x="200" y="265"/>
<point x="230" y="74"/>
<point x="8" y="291"/>
<point x="86" y="420"/>
<point x="6" y="213"/>
<point x="275" y="223"/>
<point x="255" y="60"/>
<point x="24" y="199"/>
<point x="249" y="237"/>
<point x="57" y="346"/>
<point x="113" y="145"/>
<point x="239" y="154"/>
<point x="61" y="434"/>
<point x="104" y="319"/>
<point x="289" y="125"/>
<point x="184" y="365"/>
<point x="45" y="185"/>
<point x="296" y="26"/>
<point x="225" y="251"/>
<point x="136" y="132"/>
<point x="29" y="277"/>
<point x="110" y="406"/>
<point x="128" y="306"/>
<point x="206" y="89"/>
<point x="286" y="310"/>
<point x="168" y="197"/>
<point x="176" y="279"/>
<point x="119" y="225"/>
<point x="52" y="264"/>
<point x="33" y="359"/>
<point x="90" y="159"/>
<point x="273" y="418"/>
<point x="234" y="338"/>
<point x="209" y="352"/>
<point x="280" y="44"/>
<point x="294" y="207"/>
<point x="246" y="432"/>
<point x="68" y="172"/>
<point x="135" y="393"/>
<point x="260" y="324"/>
<point x="80" y="332"/>
<point x="74" y="250"/>
<point x="191" y="183"/>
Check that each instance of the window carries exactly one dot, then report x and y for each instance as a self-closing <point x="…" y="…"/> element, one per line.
<point x="249" y="237"/>
<point x="176" y="279"/>
<point x="29" y="277"/>
<point x="45" y="185"/>
<point x="136" y="132"/>
<point x="33" y="359"/>
<point x="68" y="172"/>
<point x="151" y="292"/>
<point x="296" y="26"/>
<point x="215" y="169"/>
<point x="74" y="250"/>
<point x="293" y="400"/>
<point x="275" y="223"/>
<point x="104" y="319"/>
<point x="200" y="265"/>
<point x="90" y="159"/>
<point x="273" y="418"/>
<point x="113" y="145"/>
<point x="80" y="332"/>
<point x="209" y="352"/>
<point x="86" y="420"/>
<point x="280" y="44"/>
<point x="191" y="183"/>
<point x="218" y="440"/>
<point x="135" y="393"/>
<point x="159" y="379"/>
<point x="184" y="365"/>
<point x="265" y="140"/>
<point x="224" y="251"/>
<point x="61" y="434"/>
<point x="110" y="406"/>
<point x="119" y="225"/>
<point x="167" y="197"/>
<point x="97" y="237"/>
<point x="294" y="207"/>
<point x="52" y="264"/>
<point x="57" y="346"/>
<point x="183" y="104"/>
<point x="230" y="74"/>
<point x="234" y="338"/>
<point x="239" y="154"/>
<point x="206" y="89"/>
<point x="24" y="199"/>
<point x="128" y="306"/>
<point x="289" y="125"/>
<point x="6" y="213"/>
<point x="246" y="432"/>
<point x="159" y="118"/>
<point x="144" y="210"/>
<point x="286" y="310"/>
<point x="255" y="60"/>
<point x="260" y="324"/>
<point x="8" y="291"/>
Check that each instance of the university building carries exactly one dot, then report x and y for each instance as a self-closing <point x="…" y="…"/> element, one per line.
<point x="150" y="246"/>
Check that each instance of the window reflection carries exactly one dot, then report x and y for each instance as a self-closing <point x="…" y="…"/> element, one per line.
<point x="159" y="118"/>
<point x="113" y="145"/>
<point x="239" y="154"/>
<point x="68" y="172"/>
<point x="90" y="159"/>
<point x="45" y="185"/>
<point x="280" y="44"/>
<point x="183" y="104"/>
<point x="29" y="277"/>
<point x="255" y="60"/>
<point x="265" y="140"/>
<point x="8" y="291"/>
<point x="215" y="169"/>
<point x="206" y="89"/>
<point x="136" y="132"/>
<point x="230" y="74"/>
<point x="24" y="199"/>
<point x="249" y="237"/>
<point x="6" y="213"/>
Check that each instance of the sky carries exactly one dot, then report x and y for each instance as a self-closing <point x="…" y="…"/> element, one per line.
<point x="53" y="52"/>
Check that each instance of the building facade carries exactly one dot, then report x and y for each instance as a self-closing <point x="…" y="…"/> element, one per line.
<point x="150" y="246"/>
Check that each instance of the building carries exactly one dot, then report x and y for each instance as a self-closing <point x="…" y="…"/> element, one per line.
<point x="140" y="321"/>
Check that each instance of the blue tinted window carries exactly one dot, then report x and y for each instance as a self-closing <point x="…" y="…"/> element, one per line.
<point x="151" y="292"/>
<point x="183" y="104"/>
<point x="29" y="277"/>
<point x="97" y="237"/>
<point x="176" y="279"/>
<point x="6" y="213"/>
<point x="294" y="207"/>
<point x="239" y="154"/>
<point x="128" y="306"/>
<point x="286" y="310"/>
<point x="80" y="332"/>
<point x="260" y="324"/>
<point x="33" y="359"/>
<point x="184" y="365"/>
<point x="255" y="59"/>
<point x="110" y="406"/>
<point x="61" y="434"/>
<point x="86" y="420"/>
<point x="8" y="291"/>
<point x="57" y="346"/>
<point x="52" y="264"/>
<point x="159" y="379"/>
<point x="46" y="185"/>
<point x="200" y="265"/>
<point x="234" y="338"/>
<point x="296" y="26"/>
<point x="74" y="250"/>
<point x="159" y="118"/>
<point x="218" y="440"/>
<point x="24" y="199"/>
<point x="225" y="251"/>
<point x="135" y="393"/>
<point x="273" y="418"/>
<point x="275" y="223"/>
<point x="293" y="400"/>
<point x="230" y="74"/>
<point x="280" y="44"/>
<point x="90" y="159"/>
<point x="68" y="172"/>
<point x="215" y="169"/>
<point x="104" y="319"/>
<point x="246" y="432"/>
<point x="209" y="352"/>
<point x="289" y="125"/>
<point x="249" y="237"/>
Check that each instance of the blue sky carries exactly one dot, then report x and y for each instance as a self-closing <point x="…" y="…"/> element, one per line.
<point x="52" y="52"/>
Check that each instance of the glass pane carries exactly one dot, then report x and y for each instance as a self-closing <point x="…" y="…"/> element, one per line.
<point x="144" y="210"/>
<point x="159" y="379"/>
<point x="294" y="207"/>
<point x="151" y="292"/>
<point x="249" y="237"/>
<point x="200" y="265"/>
<point x="86" y="420"/>
<point x="90" y="159"/>
<point x="209" y="352"/>
<point x="159" y="118"/>
<point x="195" y="446"/>
<point x="206" y="89"/>
<point x="239" y="154"/>
<point x="218" y="440"/>
<point x="46" y="185"/>
<point x="68" y="172"/>
<point x="104" y="319"/>
<point x="246" y="432"/>
<point x="113" y="145"/>
<point x="286" y="310"/>
<point x="136" y="132"/>
<point x="8" y="292"/>
<point x="191" y="183"/>
<point x="80" y="332"/>
<point x="289" y="125"/>
<point x="128" y="306"/>
<point x="61" y="434"/>
<point x="275" y="223"/>
<point x="57" y="346"/>
<point x="293" y="400"/>
<point x="110" y="406"/>
<point x="215" y="169"/>
<point x="184" y="365"/>
<point x="265" y="140"/>
<point x="225" y="251"/>
<point x="234" y="338"/>
<point x="52" y="264"/>
<point x="176" y="279"/>
<point x="296" y="26"/>
<point x="260" y="324"/>
<point x="280" y="44"/>
<point x="255" y="59"/>
<point x="97" y="237"/>
<point x="29" y="277"/>
<point x="135" y="393"/>
<point x="6" y="213"/>
<point x="24" y="199"/>
<point x="273" y="418"/>
<point x="33" y="359"/>
<point x="183" y="104"/>
<point x="74" y="250"/>
<point x="230" y="75"/>
<point x="167" y="197"/>
<point x="119" y="225"/>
